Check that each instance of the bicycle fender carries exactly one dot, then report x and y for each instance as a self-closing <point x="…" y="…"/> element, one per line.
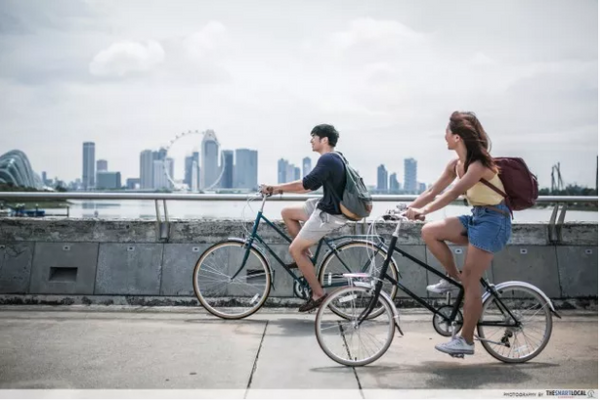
<point x="503" y="285"/>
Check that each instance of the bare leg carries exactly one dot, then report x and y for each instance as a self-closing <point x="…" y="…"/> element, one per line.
<point x="475" y="265"/>
<point x="292" y="217"/>
<point x="435" y="234"/>
<point x="298" y="250"/>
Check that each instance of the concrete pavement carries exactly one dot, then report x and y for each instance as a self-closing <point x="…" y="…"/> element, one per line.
<point x="95" y="347"/>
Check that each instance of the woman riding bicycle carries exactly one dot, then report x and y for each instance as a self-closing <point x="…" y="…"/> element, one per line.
<point x="486" y="231"/>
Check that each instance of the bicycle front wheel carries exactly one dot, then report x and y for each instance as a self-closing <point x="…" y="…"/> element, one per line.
<point x="231" y="280"/>
<point x="520" y="343"/>
<point x="346" y="341"/>
<point x="357" y="256"/>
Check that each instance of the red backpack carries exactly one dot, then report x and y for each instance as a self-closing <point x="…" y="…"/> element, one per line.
<point x="521" y="186"/>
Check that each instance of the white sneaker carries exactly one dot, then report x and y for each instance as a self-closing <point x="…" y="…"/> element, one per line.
<point x="443" y="286"/>
<point x="457" y="345"/>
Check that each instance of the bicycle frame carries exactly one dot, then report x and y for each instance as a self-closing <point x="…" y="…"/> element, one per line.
<point x="385" y="276"/>
<point x="329" y="242"/>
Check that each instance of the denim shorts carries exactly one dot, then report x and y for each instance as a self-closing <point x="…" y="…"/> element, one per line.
<point x="487" y="229"/>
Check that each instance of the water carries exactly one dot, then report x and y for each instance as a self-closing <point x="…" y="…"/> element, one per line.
<point x="130" y="209"/>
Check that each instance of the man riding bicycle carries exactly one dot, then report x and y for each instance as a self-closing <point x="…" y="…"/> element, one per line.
<point x="320" y="216"/>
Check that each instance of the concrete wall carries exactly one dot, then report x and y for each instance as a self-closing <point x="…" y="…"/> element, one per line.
<point x="127" y="257"/>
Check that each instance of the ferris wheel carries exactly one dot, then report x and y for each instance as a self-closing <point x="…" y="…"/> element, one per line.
<point x="207" y="135"/>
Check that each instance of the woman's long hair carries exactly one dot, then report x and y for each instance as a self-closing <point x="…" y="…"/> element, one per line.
<point x="478" y="144"/>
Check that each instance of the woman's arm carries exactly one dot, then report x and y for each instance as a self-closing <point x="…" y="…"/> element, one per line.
<point x="474" y="174"/>
<point x="442" y="183"/>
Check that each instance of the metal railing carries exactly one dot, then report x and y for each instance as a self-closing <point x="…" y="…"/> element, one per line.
<point x="556" y="219"/>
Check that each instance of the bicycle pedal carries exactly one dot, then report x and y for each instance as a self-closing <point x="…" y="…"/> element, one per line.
<point x="457" y="355"/>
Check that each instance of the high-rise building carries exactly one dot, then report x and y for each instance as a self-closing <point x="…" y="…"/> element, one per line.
<point x="210" y="160"/>
<point x="161" y="154"/>
<point x="394" y="184"/>
<point x="410" y="175"/>
<point x="147" y="169"/>
<point x="195" y="179"/>
<point x="171" y="169"/>
<point x="196" y="170"/>
<point x="89" y="165"/>
<point x="306" y="166"/>
<point x="297" y="173"/>
<point x="246" y="169"/>
<point x="422" y="187"/>
<point x="108" y="180"/>
<point x="382" y="178"/>
<point x="160" y="180"/>
<point x="227" y="177"/>
<point x="101" y="165"/>
<point x="187" y="177"/>
<point x="290" y="173"/>
<point x="44" y="178"/>
<point x="282" y="168"/>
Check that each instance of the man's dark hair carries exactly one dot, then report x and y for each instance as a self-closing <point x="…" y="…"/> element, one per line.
<point x="326" y="131"/>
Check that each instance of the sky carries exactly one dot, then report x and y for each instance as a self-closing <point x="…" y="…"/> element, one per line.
<point x="131" y="75"/>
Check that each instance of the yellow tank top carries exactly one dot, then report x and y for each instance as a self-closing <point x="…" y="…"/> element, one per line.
<point x="481" y="195"/>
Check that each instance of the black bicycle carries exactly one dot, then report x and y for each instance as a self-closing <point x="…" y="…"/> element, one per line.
<point x="515" y="325"/>
<point x="232" y="279"/>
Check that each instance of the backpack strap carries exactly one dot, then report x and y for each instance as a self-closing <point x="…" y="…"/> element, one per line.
<point x="493" y="187"/>
<point x="500" y="192"/>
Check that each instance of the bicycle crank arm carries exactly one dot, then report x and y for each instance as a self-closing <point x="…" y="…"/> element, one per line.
<point x="492" y="341"/>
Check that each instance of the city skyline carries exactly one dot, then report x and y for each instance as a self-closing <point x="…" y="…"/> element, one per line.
<point x="388" y="76"/>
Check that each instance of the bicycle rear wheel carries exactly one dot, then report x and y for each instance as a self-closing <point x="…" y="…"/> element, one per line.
<point x="520" y="343"/>
<point x="222" y="292"/>
<point x="343" y="339"/>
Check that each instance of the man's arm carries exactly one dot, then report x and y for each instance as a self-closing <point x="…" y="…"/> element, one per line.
<point x="312" y="181"/>
<point x="291" y="187"/>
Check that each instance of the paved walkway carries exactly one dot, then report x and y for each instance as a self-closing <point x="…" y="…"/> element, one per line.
<point x="81" y="347"/>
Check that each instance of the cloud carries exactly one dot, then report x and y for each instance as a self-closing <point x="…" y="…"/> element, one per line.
<point x="200" y="44"/>
<point x="124" y="58"/>
<point x="368" y="31"/>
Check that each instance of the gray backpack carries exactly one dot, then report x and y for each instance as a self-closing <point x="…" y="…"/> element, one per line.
<point x="356" y="202"/>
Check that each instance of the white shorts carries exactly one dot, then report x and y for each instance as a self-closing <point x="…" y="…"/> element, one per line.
<point x="319" y="222"/>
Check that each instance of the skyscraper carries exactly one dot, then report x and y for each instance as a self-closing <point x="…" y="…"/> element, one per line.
<point x="195" y="179"/>
<point x="410" y="175"/>
<point x="187" y="177"/>
<point x="382" y="178"/>
<point x="89" y="165"/>
<point x="101" y="165"/>
<point x="196" y="169"/>
<point x="306" y="166"/>
<point x="282" y="167"/>
<point x="290" y="173"/>
<point x="227" y="177"/>
<point x="161" y="154"/>
<point x="171" y="169"/>
<point x="246" y="169"/>
<point x="394" y="184"/>
<point x="422" y="187"/>
<point x="210" y="160"/>
<point x="146" y="169"/>
<point x="160" y="180"/>
<point x="297" y="173"/>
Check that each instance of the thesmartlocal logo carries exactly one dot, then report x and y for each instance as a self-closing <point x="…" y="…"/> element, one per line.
<point x="570" y="393"/>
